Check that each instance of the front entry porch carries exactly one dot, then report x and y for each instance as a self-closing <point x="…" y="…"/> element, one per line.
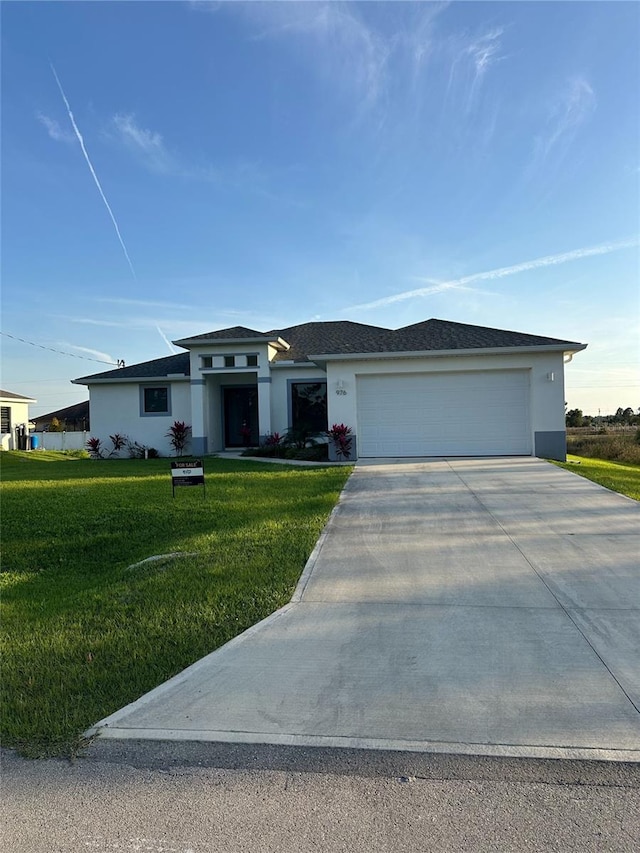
<point x="240" y="415"/>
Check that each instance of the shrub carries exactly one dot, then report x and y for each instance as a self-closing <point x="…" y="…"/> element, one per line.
<point x="316" y="453"/>
<point x="342" y="438"/>
<point x="178" y="435"/>
<point x="118" y="441"/>
<point x="141" y="451"/>
<point x="55" y="425"/>
<point x="94" y="446"/>
<point x="273" y="439"/>
<point x="300" y="436"/>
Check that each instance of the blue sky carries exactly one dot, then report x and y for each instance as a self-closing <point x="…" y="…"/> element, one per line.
<point x="170" y="168"/>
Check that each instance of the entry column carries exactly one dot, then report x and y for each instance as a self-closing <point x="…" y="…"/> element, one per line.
<point x="198" y="432"/>
<point x="264" y="406"/>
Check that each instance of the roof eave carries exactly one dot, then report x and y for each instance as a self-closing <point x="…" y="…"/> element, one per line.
<point x="563" y="347"/>
<point x="277" y="343"/>
<point x="171" y="377"/>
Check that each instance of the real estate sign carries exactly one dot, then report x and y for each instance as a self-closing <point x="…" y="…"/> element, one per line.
<point x="187" y="474"/>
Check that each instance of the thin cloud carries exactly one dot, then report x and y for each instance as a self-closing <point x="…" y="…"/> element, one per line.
<point x="500" y="272"/>
<point x="569" y="110"/>
<point x="91" y="321"/>
<point x="147" y="144"/>
<point x="339" y="43"/>
<point x="484" y="50"/>
<point x="101" y="356"/>
<point x="149" y="148"/>
<point x="145" y="303"/>
<point x="53" y="129"/>
<point x="472" y="57"/>
<point x="93" y="173"/>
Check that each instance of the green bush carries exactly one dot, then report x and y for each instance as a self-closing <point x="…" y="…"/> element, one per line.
<point x="316" y="453"/>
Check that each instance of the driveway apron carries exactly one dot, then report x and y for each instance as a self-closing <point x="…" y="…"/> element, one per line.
<point x="482" y="606"/>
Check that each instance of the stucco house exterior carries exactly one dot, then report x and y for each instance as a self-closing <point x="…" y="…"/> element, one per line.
<point x="435" y="388"/>
<point x="14" y="419"/>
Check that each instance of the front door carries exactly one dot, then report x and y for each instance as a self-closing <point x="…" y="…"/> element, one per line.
<point x="240" y="406"/>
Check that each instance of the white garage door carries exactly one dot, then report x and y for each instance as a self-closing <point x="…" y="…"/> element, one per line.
<point x="484" y="413"/>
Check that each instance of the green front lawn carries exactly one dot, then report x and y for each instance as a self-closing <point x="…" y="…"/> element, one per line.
<point x="84" y="632"/>
<point x="614" y="475"/>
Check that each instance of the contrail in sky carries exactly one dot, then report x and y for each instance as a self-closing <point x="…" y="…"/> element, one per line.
<point x="501" y="272"/>
<point x="93" y="172"/>
<point x="172" y="349"/>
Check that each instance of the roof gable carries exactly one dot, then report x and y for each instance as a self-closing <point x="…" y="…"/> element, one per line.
<point x="233" y="333"/>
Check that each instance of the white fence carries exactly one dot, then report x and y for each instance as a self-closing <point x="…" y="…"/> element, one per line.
<point x="62" y="440"/>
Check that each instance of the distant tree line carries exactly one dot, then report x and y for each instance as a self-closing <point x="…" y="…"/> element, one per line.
<point x="622" y="417"/>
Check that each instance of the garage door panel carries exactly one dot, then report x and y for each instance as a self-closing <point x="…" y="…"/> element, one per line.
<point x="485" y="413"/>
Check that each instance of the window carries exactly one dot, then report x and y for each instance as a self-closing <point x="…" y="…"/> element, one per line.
<point x="5" y="418"/>
<point x="309" y="406"/>
<point x="206" y="361"/>
<point x="155" y="400"/>
<point x="229" y="361"/>
<point x="252" y="361"/>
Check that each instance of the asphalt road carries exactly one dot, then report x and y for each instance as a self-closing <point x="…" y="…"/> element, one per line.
<point x="204" y="798"/>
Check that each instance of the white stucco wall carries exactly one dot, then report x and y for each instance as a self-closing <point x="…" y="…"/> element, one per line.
<point x="19" y="415"/>
<point x="546" y="401"/>
<point x="116" y="408"/>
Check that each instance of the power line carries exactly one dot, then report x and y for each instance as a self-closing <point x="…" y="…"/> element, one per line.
<point x="59" y="351"/>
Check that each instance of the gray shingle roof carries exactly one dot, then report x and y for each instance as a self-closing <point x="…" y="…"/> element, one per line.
<point x="445" y="335"/>
<point x="156" y="369"/>
<point x="336" y="336"/>
<point x="77" y="412"/>
<point x="233" y="333"/>
<point x="9" y="395"/>
<point x="342" y="337"/>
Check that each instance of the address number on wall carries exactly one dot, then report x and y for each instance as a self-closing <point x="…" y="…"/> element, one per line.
<point x="341" y="392"/>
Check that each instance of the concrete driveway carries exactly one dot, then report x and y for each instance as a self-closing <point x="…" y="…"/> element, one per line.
<point x="472" y="606"/>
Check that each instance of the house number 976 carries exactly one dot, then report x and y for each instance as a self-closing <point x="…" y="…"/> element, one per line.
<point x="341" y="392"/>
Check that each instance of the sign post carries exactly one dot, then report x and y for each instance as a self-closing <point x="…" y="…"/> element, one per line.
<point x="187" y="474"/>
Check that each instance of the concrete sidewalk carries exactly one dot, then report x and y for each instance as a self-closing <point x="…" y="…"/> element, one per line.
<point x="471" y="606"/>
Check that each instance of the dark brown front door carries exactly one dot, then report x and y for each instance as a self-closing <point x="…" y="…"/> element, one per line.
<point x="240" y="416"/>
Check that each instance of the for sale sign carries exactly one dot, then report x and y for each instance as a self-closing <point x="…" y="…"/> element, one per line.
<point x="187" y="474"/>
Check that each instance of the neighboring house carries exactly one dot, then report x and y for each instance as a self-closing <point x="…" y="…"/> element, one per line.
<point x="72" y="418"/>
<point x="435" y="388"/>
<point x="14" y="420"/>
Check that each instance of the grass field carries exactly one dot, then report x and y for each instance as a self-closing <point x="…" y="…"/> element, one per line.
<point x="614" y="475"/>
<point x="618" y="446"/>
<point x="84" y="631"/>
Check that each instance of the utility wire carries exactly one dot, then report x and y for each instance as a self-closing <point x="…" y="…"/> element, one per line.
<point x="59" y="351"/>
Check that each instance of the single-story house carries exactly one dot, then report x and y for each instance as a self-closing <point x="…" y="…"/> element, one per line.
<point x="72" y="418"/>
<point x="14" y="420"/>
<point x="435" y="388"/>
